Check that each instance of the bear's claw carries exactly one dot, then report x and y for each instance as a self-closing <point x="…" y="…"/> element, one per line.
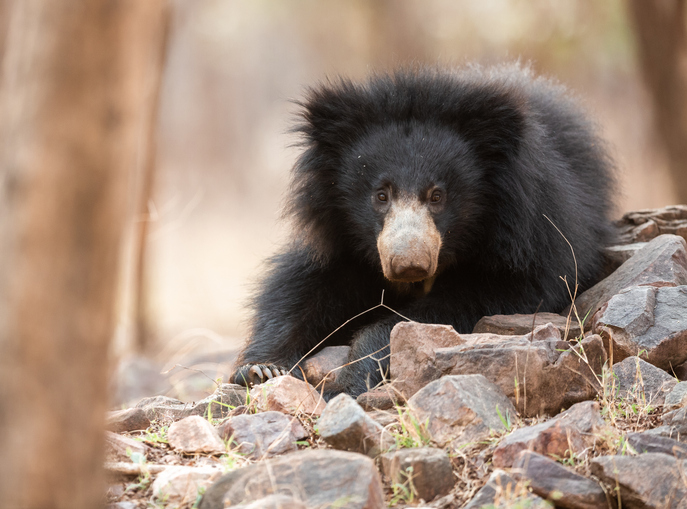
<point x="253" y="374"/>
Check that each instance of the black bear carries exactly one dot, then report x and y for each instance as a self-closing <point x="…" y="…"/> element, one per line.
<point x="441" y="189"/>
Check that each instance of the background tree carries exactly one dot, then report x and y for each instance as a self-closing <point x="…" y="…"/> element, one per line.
<point x="75" y="98"/>
<point x="662" y="51"/>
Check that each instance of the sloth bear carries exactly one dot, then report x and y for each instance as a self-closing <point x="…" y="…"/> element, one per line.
<point x="440" y="189"/>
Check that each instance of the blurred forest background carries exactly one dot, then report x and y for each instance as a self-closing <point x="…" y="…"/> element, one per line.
<point x="224" y="150"/>
<point x="145" y="155"/>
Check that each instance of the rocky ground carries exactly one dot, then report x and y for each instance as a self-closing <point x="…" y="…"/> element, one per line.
<point x="581" y="410"/>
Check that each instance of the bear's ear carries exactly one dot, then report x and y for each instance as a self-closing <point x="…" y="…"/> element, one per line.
<point x="334" y="116"/>
<point x="493" y="121"/>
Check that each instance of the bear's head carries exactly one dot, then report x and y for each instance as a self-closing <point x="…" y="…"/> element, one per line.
<point x="399" y="171"/>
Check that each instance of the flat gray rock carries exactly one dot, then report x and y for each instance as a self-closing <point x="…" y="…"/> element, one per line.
<point x="662" y="262"/>
<point x="645" y="442"/>
<point x="649" y="320"/>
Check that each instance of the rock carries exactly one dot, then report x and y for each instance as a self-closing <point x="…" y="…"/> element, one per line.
<point x="667" y="431"/>
<point x="344" y="425"/>
<point x="649" y="320"/>
<point x="219" y="402"/>
<point x="552" y="481"/>
<point x="119" y="448"/>
<point x="263" y="435"/>
<point x="651" y="480"/>
<point x="646" y="224"/>
<point x="662" y="262"/>
<point x="502" y="491"/>
<point x="676" y="421"/>
<point x="320" y="366"/>
<point x="122" y="505"/>
<point x="383" y="418"/>
<point x="617" y="255"/>
<point x="572" y="431"/>
<point x="461" y="409"/>
<point x="539" y="377"/>
<point x="129" y="419"/>
<point x="429" y="468"/>
<point x="177" y="484"/>
<point x="644" y="442"/>
<point x="164" y="409"/>
<point x="412" y="354"/>
<point x="637" y="379"/>
<point x="318" y="478"/>
<point x="194" y="435"/>
<point x="519" y="325"/>
<point x="382" y="398"/>
<point x="536" y="366"/>
<point x="273" y="502"/>
<point x="677" y="397"/>
<point x="288" y="395"/>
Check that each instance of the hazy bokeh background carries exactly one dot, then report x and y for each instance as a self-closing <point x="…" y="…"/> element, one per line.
<point x="224" y="149"/>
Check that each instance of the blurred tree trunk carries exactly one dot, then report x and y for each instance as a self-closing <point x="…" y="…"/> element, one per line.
<point x="74" y="103"/>
<point x="662" y="47"/>
<point x="141" y="310"/>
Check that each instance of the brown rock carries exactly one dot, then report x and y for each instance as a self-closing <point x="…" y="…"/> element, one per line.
<point x="540" y="377"/>
<point x="120" y="448"/>
<point x="649" y="320"/>
<point x="429" y="470"/>
<point x="552" y="481"/>
<point x="572" y="431"/>
<point x="662" y="262"/>
<point x="318" y="478"/>
<point x="519" y="325"/>
<point x="651" y="480"/>
<point x="288" y="395"/>
<point x="646" y="224"/>
<point x="319" y="367"/>
<point x="503" y="492"/>
<point x="129" y="419"/>
<point x="461" y="409"/>
<point x="638" y="380"/>
<point x="194" y="435"/>
<point x="382" y="398"/>
<point x="412" y="354"/>
<point x="263" y="435"/>
<point x="344" y="425"/>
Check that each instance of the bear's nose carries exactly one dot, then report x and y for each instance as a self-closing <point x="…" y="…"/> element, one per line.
<point x="410" y="270"/>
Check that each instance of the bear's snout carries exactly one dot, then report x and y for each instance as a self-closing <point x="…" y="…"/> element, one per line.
<point x="409" y="243"/>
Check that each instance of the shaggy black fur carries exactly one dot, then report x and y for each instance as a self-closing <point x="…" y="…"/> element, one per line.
<point x="506" y="149"/>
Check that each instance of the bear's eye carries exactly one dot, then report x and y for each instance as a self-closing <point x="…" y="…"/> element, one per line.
<point x="381" y="196"/>
<point x="436" y="196"/>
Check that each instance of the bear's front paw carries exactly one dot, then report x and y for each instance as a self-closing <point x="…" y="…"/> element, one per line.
<point x="253" y="374"/>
